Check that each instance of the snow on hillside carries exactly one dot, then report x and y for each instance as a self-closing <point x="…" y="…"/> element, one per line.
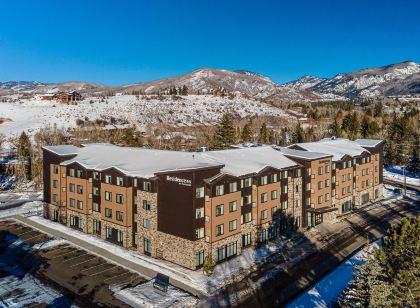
<point x="30" y="115"/>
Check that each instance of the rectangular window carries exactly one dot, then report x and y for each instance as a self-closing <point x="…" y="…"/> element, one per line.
<point x="119" y="198"/>
<point x="95" y="175"/>
<point x="72" y="202"/>
<point x="199" y="258"/>
<point x="199" y="213"/>
<point x="80" y="189"/>
<point x="108" y="213"/>
<point x="327" y="197"/>
<point x="79" y="174"/>
<point x="320" y="170"/>
<point x="246" y="239"/>
<point x="72" y="187"/>
<point x="327" y="183"/>
<point x="264" y="214"/>
<point x="284" y="174"/>
<point x="246" y="199"/>
<point x="273" y="210"/>
<point x="199" y="192"/>
<point x="264" y="197"/>
<point x="349" y="189"/>
<point x="284" y="189"/>
<point x="233" y="206"/>
<point x="108" y="232"/>
<point x="264" y="180"/>
<point x="333" y="166"/>
<point x="95" y="207"/>
<point x="108" y="179"/>
<point x="120" y="181"/>
<point x="72" y="172"/>
<point x="343" y="178"/>
<point x="55" y="198"/>
<point x="95" y="191"/>
<point x="55" y="169"/>
<point x="147" y="246"/>
<point x="146" y="205"/>
<point x="80" y="205"/>
<point x="308" y="186"/>
<point x="146" y="223"/>
<point x="119" y="216"/>
<point x="233" y="187"/>
<point x="327" y="169"/>
<point x="97" y="226"/>
<point x="55" y="183"/>
<point x="219" y="230"/>
<point x="246" y="217"/>
<point x="284" y="205"/>
<point x="274" y="178"/>
<point x="349" y="176"/>
<point x="297" y="203"/>
<point x="320" y="199"/>
<point x="219" y="210"/>
<point x="298" y="173"/>
<point x="220" y="190"/>
<point x="297" y="188"/>
<point x="343" y="191"/>
<point x="147" y="186"/>
<point x="120" y="236"/>
<point x="273" y="194"/>
<point x="320" y="184"/>
<point x="248" y="182"/>
<point x="108" y="196"/>
<point x="199" y="233"/>
<point x="232" y="225"/>
<point x="135" y="182"/>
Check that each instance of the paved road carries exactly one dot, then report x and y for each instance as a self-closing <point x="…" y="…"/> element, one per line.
<point x="401" y="185"/>
<point x="144" y="271"/>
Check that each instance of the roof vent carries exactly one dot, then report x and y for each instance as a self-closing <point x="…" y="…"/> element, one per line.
<point x="333" y="138"/>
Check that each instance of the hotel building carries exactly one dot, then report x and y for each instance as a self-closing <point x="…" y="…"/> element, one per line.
<point x="184" y="206"/>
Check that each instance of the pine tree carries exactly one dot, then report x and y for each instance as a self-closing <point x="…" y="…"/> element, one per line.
<point x="364" y="127"/>
<point x="24" y="152"/>
<point x="413" y="165"/>
<point x="335" y="128"/>
<point x="208" y="265"/>
<point x="298" y="135"/>
<point x="264" y="134"/>
<point x="247" y="134"/>
<point x="225" y="134"/>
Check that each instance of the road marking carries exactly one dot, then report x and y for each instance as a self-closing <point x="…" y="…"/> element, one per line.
<point x="62" y="255"/>
<point x="105" y="270"/>
<point x="111" y="278"/>
<point x="87" y="269"/>
<point x="74" y="265"/>
<point x="82" y="255"/>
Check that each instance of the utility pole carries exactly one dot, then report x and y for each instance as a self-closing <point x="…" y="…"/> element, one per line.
<point x="405" y="181"/>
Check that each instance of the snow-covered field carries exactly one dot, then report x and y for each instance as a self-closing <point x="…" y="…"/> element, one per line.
<point x="30" y="115"/>
<point x="326" y="291"/>
<point x="396" y="173"/>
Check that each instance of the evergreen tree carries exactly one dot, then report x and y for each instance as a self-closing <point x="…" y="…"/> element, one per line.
<point x="225" y="134"/>
<point x="298" y="135"/>
<point x="351" y="125"/>
<point x="364" y="127"/>
<point x="413" y="165"/>
<point x="335" y="128"/>
<point x="24" y="152"/>
<point x="247" y="134"/>
<point x="264" y="134"/>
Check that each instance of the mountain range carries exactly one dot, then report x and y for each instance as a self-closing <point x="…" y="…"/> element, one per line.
<point x="401" y="79"/>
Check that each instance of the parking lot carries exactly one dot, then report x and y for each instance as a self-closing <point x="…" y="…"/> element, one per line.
<point x="83" y="275"/>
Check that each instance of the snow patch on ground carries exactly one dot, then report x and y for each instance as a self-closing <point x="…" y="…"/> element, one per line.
<point x="27" y="209"/>
<point x="396" y="173"/>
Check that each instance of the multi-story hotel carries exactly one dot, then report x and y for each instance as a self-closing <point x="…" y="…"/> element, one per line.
<point x="184" y="206"/>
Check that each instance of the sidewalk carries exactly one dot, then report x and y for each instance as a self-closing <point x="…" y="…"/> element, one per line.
<point x="106" y="254"/>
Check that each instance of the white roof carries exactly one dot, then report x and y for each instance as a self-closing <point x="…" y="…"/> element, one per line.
<point x="244" y="161"/>
<point x="370" y="143"/>
<point x="301" y="154"/>
<point x="62" y="150"/>
<point x="138" y="162"/>
<point x="338" y="147"/>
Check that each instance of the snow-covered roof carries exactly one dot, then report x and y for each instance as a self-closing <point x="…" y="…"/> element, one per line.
<point x="63" y="150"/>
<point x="308" y="155"/>
<point x="244" y="161"/>
<point x="137" y="162"/>
<point x="338" y="147"/>
<point x="370" y="143"/>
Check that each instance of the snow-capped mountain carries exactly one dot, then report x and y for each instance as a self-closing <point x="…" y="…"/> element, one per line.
<point x="36" y="87"/>
<point x="305" y="82"/>
<point x="396" y="79"/>
<point x="18" y="86"/>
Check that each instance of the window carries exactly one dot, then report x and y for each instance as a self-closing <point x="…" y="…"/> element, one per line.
<point x="119" y="216"/>
<point x="232" y="225"/>
<point x="108" y="213"/>
<point x="108" y="232"/>
<point x="146" y="205"/>
<point x="95" y="207"/>
<point x="349" y="176"/>
<point x="199" y="213"/>
<point x="246" y="217"/>
<point x="343" y="177"/>
<point x="320" y="184"/>
<point x="320" y="170"/>
<point x="120" y="236"/>
<point x="233" y="206"/>
<point x="333" y="192"/>
<point x="147" y="246"/>
<point x="55" y="169"/>
<point x="298" y="173"/>
<point x="72" y="202"/>
<point x="248" y="182"/>
<point x="219" y="190"/>
<point x="308" y="201"/>
<point x="120" y="181"/>
<point x="95" y="191"/>
<point x="55" y="198"/>
<point x="79" y="189"/>
<point x="320" y="199"/>
<point x="327" y="183"/>
<point x="273" y="210"/>
<point x="349" y="164"/>
<point x="333" y="166"/>
<point x="146" y="223"/>
<point x="349" y="189"/>
<point x="199" y="192"/>
<point x="308" y="186"/>
<point x="363" y="160"/>
<point x="147" y="186"/>
<point x="343" y="191"/>
<point x="246" y="239"/>
<point x="308" y="171"/>
<point x="333" y="179"/>
<point x="219" y="230"/>
<point x="80" y="205"/>
<point x="79" y="173"/>
<point x="327" y="197"/>
<point x="264" y="197"/>
<point x="233" y="187"/>
<point x="219" y="210"/>
<point x="71" y="172"/>
<point x="376" y="168"/>
<point x="273" y="194"/>
<point x="274" y="178"/>
<point x="284" y="174"/>
<point x="246" y="199"/>
<point x="284" y="205"/>
<point x="108" y="179"/>
<point x="284" y="189"/>
<point x="363" y="172"/>
<point x="108" y="196"/>
<point x="264" y="214"/>
<point x="297" y="188"/>
<point x="71" y="187"/>
<point x="95" y="175"/>
<point x="96" y="226"/>
<point x="264" y="180"/>
<point x="135" y="182"/>
<point x="119" y="198"/>
<point x="199" y="258"/>
<point x="297" y="203"/>
<point x="327" y="169"/>
<point x="55" y="183"/>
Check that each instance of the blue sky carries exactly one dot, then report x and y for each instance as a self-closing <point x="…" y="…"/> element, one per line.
<point x="120" y="42"/>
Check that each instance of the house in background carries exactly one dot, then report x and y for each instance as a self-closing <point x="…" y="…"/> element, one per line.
<point x="63" y="97"/>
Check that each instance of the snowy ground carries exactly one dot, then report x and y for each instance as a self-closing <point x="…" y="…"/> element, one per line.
<point x="30" y="115"/>
<point x="396" y="173"/>
<point x="326" y="291"/>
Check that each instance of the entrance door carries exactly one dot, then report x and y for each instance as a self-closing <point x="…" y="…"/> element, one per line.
<point x="56" y="215"/>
